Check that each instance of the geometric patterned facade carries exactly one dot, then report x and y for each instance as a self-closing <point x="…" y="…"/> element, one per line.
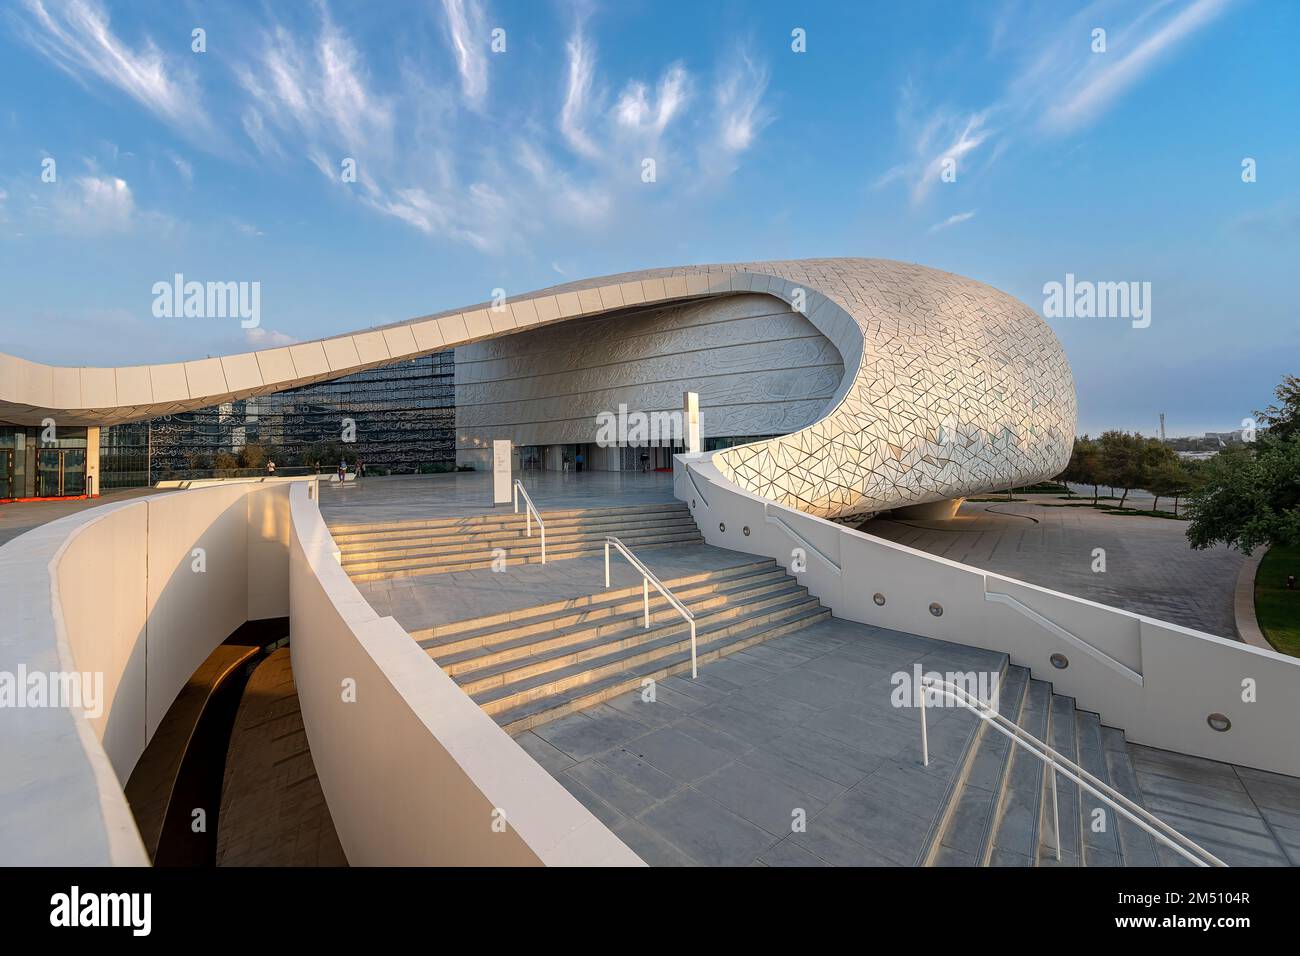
<point x="960" y="389"/>
<point x="951" y="388"/>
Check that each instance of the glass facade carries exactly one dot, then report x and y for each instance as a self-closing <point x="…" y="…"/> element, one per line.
<point x="397" y="419"/>
<point x="36" y="465"/>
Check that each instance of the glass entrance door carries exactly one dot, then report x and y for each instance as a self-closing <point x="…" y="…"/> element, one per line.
<point x="49" y="473"/>
<point x="60" y="472"/>
<point x="7" y="474"/>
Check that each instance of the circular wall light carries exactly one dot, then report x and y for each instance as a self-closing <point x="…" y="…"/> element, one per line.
<point x="1219" y="722"/>
<point x="745" y="531"/>
<point x="936" y="609"/>
<point x="722" y="526"/>
<point x="692" y="502"/>
<point x="878" y="598"/>
<point x="1059" y="661"/>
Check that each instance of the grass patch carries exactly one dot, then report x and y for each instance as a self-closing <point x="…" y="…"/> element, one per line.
<point x="994" y="499"/>
<point x="1144" y="513"/>
<point x="1276" y="608"/>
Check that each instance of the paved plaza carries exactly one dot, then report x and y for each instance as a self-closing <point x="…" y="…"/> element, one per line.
<point x="1149" y="567"/>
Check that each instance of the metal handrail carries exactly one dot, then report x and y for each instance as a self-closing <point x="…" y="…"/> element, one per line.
<point x="530" y="512"/>
<point x="1058" y="762"/>
<point x="648" y="578"/>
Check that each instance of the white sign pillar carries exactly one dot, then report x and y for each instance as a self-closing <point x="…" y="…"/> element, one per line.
<point x="501" y="472"/>
<point x="692" y="415"/>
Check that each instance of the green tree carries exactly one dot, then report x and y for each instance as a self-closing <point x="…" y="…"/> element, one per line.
<point x="1250" y="496"/>
<point x="253" y="455"/>
<point x="1283" y="419"/>
<point x="1084" y="467"/>
<point x="1122" y="461"/>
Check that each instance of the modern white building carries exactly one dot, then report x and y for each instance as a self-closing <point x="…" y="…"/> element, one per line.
<point x="828" y="389"/>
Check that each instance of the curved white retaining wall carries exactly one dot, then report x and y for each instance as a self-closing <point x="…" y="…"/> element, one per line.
<point x="117" y="591"/>
<point x="413" y="771"/>
<point x="1157" y="681"/>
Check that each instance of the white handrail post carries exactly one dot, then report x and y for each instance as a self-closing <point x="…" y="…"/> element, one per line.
<point x="695" y="672"/>
<point x="925" y="742"/>
<point x="1056" y="812"/>
<point x="607" y="562"/>
<point x="645" y="598"/>
<point x="516" y="491"/>
<point x="539" y="521"/>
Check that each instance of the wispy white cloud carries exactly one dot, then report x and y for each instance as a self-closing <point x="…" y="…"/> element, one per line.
<point x="467" y="35"/>
<point x="94" y="205"/>
<point x="1058" y="87"/>
<point x="738" y="99"/>
<point x="577" y="92"/>
<point x="300" y="88"/>
<point x="76" y="35"/>
<point x="183" y="166"/>
<point x="952" y="220"/>
<point x="1104" y="78"/>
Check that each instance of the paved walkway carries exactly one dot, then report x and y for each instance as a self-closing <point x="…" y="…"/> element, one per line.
<point x="789" y="753"/>
<point x="273" y="812"/>
<point x="1149" y="567"/>
<point x="19" y="517"/>
<point x="411" y="497"/>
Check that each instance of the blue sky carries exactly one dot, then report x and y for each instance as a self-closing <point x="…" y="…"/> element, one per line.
<point x="519" y="169"/>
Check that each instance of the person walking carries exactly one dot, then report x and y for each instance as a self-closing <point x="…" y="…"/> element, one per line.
<point x="270" y="469"/>
<point x="360" y="467"/>
<point x="343" y="470"/>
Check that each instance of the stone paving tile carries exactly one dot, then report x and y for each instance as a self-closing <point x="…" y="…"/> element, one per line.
<point x="705" y="831"/>
<point x="789" y="853"/>
<point x="552" y="760"/>
<point x="640" y="774"/>
<point x="616" y="791"/>
<point x="759" y="797"/>
<point x="649" y="845"/>
<point x="581" y="736"/>
<point x="679" y="755"/>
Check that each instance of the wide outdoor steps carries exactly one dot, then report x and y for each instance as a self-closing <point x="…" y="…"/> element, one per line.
<point x="396" y="549"/>
<point x="999" y="809"/>
<point x="532" y="666"/>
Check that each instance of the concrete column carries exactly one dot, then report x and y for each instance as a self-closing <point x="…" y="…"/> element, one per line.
<point x="691" y="401"/>
<point x="92" y="459"/>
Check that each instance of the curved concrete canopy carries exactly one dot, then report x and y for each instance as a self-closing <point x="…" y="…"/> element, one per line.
<point x="950" y="386"/>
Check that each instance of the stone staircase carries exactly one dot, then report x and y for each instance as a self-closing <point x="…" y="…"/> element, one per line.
<point x="536" y="664"/>
<point x="998" y="810"/>
<point x="397" y="549"/>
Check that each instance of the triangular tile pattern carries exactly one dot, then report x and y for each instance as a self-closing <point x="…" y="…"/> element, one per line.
<point x="960" y="388"/>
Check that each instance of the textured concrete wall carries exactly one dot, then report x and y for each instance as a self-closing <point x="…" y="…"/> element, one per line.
<point x="760" y="369"/>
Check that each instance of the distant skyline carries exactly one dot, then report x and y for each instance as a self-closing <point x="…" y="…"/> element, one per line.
<point x="518" y="169"/>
